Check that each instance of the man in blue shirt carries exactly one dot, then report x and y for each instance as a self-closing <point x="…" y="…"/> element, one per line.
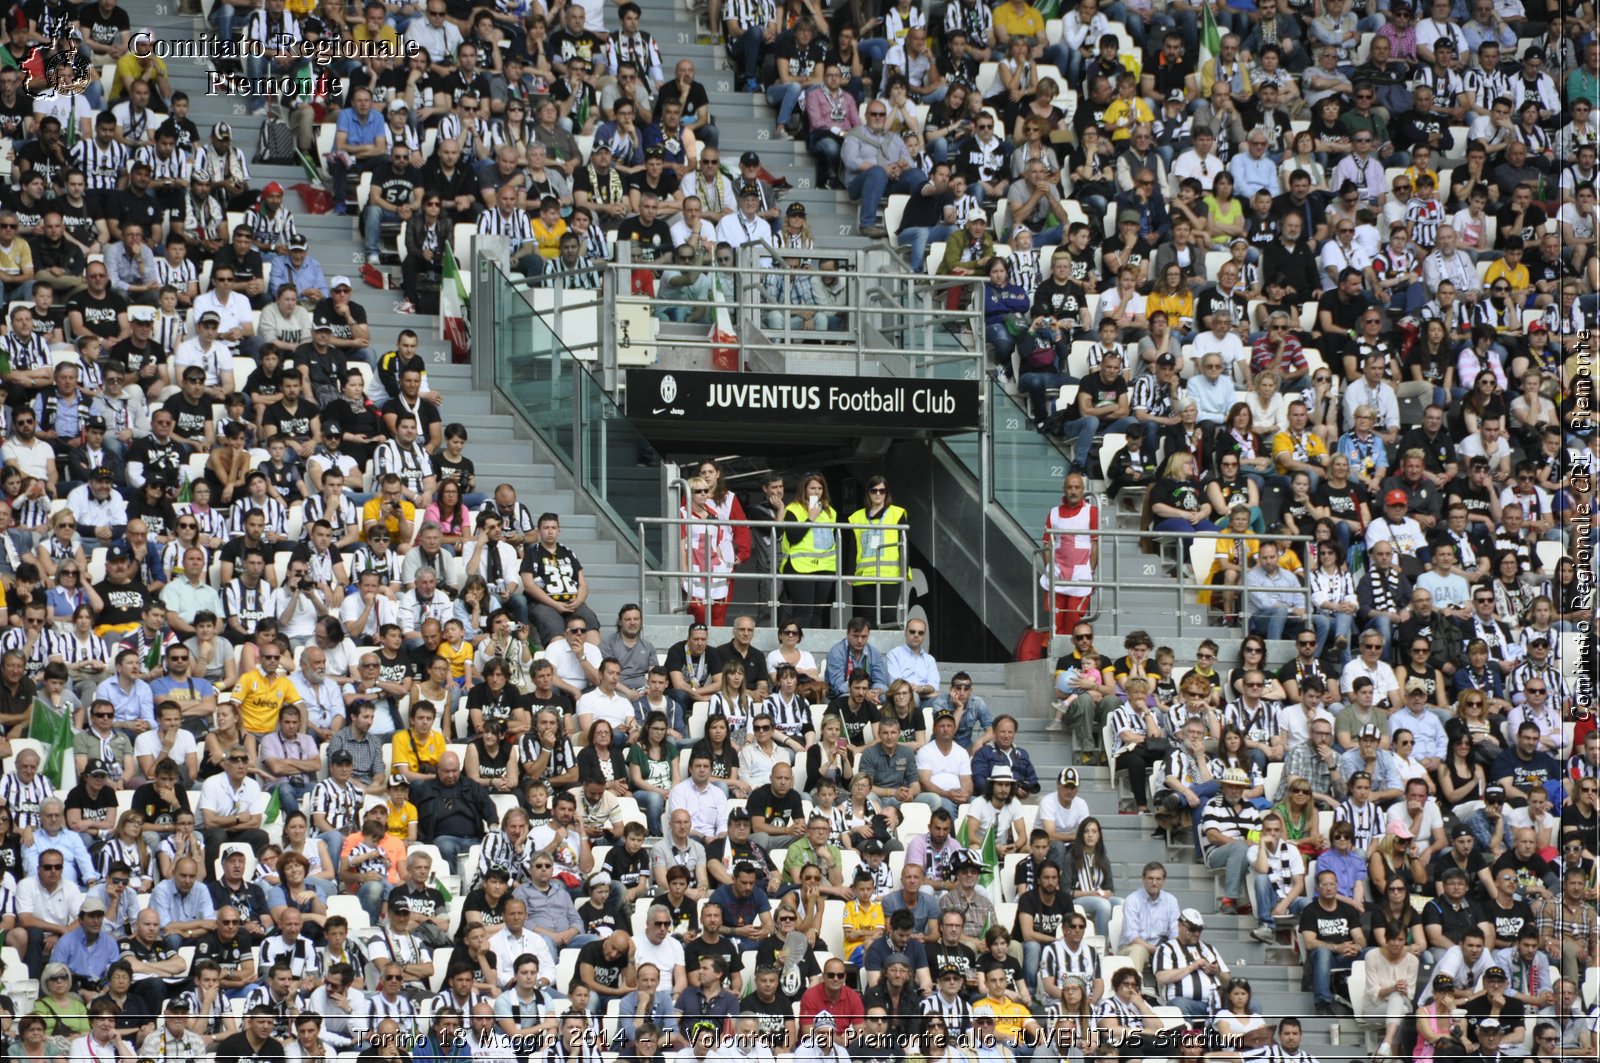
<point x="913" y="663"/>
<point x="52" y="834"/>
<point x="86" y="950"/>
<point x="746" y="911"/>
<point x="855" y="652"/>
<point x="360" y="143"/>
<point x="185" y="907"/>
<point x="974" y="720"/>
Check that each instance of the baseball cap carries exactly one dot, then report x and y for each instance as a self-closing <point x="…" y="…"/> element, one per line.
<point x="297" y="241"/>
<point x="141" y="314"/>
<point x="396" y="779"/>
<point x="399" y="904"/>
<point x="92" y="904"/>
<point x="948" y="970"/>
<point x="1192" y="917"/>
<point x="741" y="814"/>
<point x="1443" y="982"/>
<point x="1400" y="830"/>
<point x="796" y="210"/>
<point x="1370" y="731"/>
<point x="825" y="1021"/>
<point x="341" y="756"/>
<point x="210" y="317"/>
<point x="1461" y="830"/>
<point x="1416" y="686"/>
<point x="94" y="421"/>
<point x="97" y="767"/>
<point x="322" y="324"/>
<point x="398" y="104"/>
<point x="103" y="473"/>
<point x="117" y="553"/>
<point x="1494" y="972"/>
<point x="1167" y="360"/>
<point x="749" y="158"/>
<point x="749" y="189"/>
<point x="1128" y="215"/>
<point x="222" y="131"/>
<point x="333" y="429"/>
<point x="1494" y="791"/>
<point x="341" y="281"/>
<point x="1396" y="497"/>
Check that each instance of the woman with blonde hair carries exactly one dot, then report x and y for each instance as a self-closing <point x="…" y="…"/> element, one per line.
<point x="61" y="545"/>
<point x="1177" y="502"/>
<point x="1389" y="856"/>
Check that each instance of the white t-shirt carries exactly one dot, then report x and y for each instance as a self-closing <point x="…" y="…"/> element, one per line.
<point x="614" y="709"/>
<point x="1066" y="820"/>
<point x="945" y="769"/>
<point x="1431" y="819"/>
<point x="149" y="745"/>
<point x="666" y="956"/>
<point x="984" y="815"/>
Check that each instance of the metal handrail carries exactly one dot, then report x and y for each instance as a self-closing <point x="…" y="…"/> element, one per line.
<point x="838" y="577"/>
<point x="1152" y="566"/>
<point x="888" y="315"/>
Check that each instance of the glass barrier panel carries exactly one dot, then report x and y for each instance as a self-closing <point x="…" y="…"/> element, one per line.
<point x="1025" y="469"/>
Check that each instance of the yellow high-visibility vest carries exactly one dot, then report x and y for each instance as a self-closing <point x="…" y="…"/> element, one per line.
<point x="879" y="551"/>
<point x="815" y="551"/>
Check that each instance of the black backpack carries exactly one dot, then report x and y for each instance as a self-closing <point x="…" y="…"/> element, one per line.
<point x="276" y="146"/>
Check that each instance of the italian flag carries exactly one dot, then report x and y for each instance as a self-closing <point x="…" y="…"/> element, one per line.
<point x="1210" y="39"/>
<point x="453" y="300"/>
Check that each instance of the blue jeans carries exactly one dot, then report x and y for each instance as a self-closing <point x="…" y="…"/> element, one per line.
<point x="1032" y="953"/>
<point x="918" y="239"/>
<point x="1099" y="909"/>
<point x="1034" y="385"/>
<point x="1232" y="858"/>
<point x="576" y="943"/>
<point x="371" y="895"/>
<point x="653" y="805"/>
<point x="745" y="51"/>
<point x="873" y="49"/>
<point x="334" y="840"/>
<point x="1266" y="898"/>
<point x="785" y="96"/>
<point x="1271" y="622"/>
<point x="1001" y="344"/>
<point x="1323" y="963"/>
<point x="1086" y="428"/>
<point x="289" y="795"/>
<point x="452" y="848"/>
<point x="869" y="188"/>
<point x="1384" y="626"/>
<point x="1339" y="624"/>
<point x="372" y="221"/>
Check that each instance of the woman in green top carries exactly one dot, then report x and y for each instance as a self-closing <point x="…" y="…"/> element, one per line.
<point x="1224" y="211"/>
<point x="653" y="770"/>
<point x="64" y="1013"/>
<point x="1299" y="815"/>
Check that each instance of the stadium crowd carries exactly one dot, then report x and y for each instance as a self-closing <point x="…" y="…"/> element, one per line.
<point x="309" y="671"/>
